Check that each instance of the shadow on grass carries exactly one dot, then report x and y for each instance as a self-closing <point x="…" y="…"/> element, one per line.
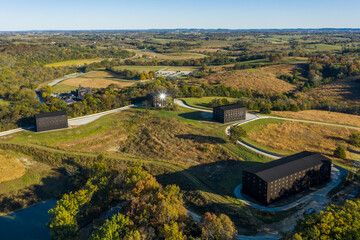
<point x="201" y="138"/>
<point x="197" y="115"/>
<point x="51" y="187"/>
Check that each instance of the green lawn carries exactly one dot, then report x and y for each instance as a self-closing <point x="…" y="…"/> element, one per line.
<point x="202" y="102"/>
<point x="63" y="88"/>
<point x="52" y="138"/>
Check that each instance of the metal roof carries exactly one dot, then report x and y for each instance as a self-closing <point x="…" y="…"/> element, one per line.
<point x="288" y="165"/>
<point x="50" y="114"/>
<point x="230" y="106"/>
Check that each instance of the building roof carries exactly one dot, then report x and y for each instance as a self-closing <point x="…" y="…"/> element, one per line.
<point x="288" y="165"/>
<point x="230" y="106"/>
<point x="50" y="114"/>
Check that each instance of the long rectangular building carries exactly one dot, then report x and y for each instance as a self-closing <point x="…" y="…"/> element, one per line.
<point x="270" y="182"/>
<point x="229" y="113"/>
<point x="51" y="121"/>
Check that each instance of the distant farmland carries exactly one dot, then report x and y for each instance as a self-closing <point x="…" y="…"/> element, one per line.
<point x="79" y="62"/>
<point x="261" y="79"/>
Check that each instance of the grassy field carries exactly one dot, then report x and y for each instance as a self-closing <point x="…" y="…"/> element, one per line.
<point x="95" y="82"/>
<point x="261" y="79"/>
<point x="204" y="101"/>
<point x="79" y="62"/>
<point x="285" y="137"/>
<point x="58" y="88"/>
<point x="98" y="79"/>
<point x="140" y="68"/>
<point x="322" y="47"/>
<point x="321" y="116"/>
<point x="10" y="166"/>
<point x="343" y="90"/>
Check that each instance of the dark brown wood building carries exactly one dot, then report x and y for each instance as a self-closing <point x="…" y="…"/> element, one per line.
<point x="51" y="121"/>
<point x="229" y="113"/>
<point x="270" y="182"/>
<point x="157" y="100"/>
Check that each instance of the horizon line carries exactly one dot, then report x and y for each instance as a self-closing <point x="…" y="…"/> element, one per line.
<point x="181" y="29"/>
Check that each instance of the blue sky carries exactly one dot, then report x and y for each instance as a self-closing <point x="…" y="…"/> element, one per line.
<point x="160" y="14"/>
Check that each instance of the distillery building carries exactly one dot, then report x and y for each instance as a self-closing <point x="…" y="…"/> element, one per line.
<point x="51" y="121"/>
<point x="157" y="100"/>
<point x="229" y="113"/>
<point x="270" y="182"/>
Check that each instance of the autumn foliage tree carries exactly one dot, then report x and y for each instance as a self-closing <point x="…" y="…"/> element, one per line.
<point x="217" y="227"/>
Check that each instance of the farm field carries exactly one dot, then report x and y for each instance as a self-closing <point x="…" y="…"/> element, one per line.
<point x="321" y="116"/>
<point x="79" y="62"/>
<point x="284" y="137"/>
<point x="10" y="167"/>
<point x="261" y="79"/>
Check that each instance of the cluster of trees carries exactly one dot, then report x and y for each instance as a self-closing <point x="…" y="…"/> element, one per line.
<point x="74" y="208"/>
<point x="131" y="74"/>
<point x="325" y="69"/>
<point x="293" y="78"/>
<point x="149" y="210"/>
<point x="336" y="222"/>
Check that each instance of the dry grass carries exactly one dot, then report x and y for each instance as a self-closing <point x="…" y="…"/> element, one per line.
<point x="297" y="137"/>
<point x="95" y="82"/>
<point x="10" y="167"/>
<point x="79" y="62"/>
<point x="261" y="79"/>
<point x="344" y="90"/>
<point x="322" y="116"/>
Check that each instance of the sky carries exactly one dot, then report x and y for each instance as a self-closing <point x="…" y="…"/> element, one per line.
<point x="21" y="15"/>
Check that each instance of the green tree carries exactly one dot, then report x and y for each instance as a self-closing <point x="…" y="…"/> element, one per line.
<point x="340" y="152"/>
<point x="171" y="232"/>
<point x="117" y="228"/>
<point x="355" y="139"/>
<point x="237" y="133"/>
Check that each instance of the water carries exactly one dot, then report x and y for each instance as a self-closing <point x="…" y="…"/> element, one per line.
<point x="28" y="223"/>
<point x="38" y="96"/>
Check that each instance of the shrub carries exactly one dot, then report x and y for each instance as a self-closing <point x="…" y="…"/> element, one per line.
<point x="340" y="152"/>
<point x="355" y="139"/>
